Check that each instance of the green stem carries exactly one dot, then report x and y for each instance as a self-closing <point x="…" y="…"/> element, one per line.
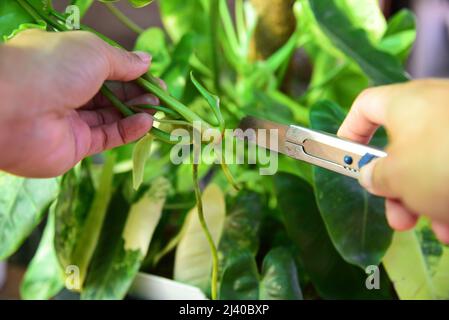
<point x="228" y="175"/>
<point x="29" y="9"/>
<point x="213" y="249"/>
<point x="170" y="245"/>
<point x="170" y="101"/>
<point x="123" y="18"/>
<point x="174" y="122"/>
<point x="214" y="23"/>
<point x="164" y="136"/>
<point x="123" y="108"/>
<point x="150" y="83"/>
<point x="165" y="110"/>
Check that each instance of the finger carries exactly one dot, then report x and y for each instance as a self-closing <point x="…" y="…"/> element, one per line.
<point x="121" y="132"/>
<point x="144" y="99"/>
<point x="125" y="65"/>
<point x="365" y="117"/>
<point x="398" y="216"/>
<point x="100" y="117"/>
<point x="147" y="99"/>
<point x="377" y="178"/>
<point x="441" y="231"/>
<point x="123" y="90"/>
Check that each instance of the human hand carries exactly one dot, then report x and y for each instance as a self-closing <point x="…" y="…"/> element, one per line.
<point x="51" y="115"/>
<point x="414" y="177"/>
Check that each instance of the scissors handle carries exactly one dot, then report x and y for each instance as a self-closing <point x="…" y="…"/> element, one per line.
<point x="329" y="151"/>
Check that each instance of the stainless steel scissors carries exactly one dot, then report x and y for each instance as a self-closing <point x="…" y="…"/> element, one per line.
<point x="317" y="148"/>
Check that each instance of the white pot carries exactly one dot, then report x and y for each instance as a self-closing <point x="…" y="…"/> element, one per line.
<point x="151" y="287"/>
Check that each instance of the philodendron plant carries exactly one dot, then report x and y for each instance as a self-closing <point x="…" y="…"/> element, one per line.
<point x="301" y="233"/>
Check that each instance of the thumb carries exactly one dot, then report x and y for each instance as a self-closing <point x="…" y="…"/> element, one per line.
<point x="376" y="178"/>
<point x="125" y="65"/>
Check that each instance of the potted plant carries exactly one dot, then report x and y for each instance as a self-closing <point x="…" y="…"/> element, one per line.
<point x="227" y="231"/>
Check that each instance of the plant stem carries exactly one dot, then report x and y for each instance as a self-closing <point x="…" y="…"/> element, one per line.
<point x="170" y="245"/>
<point x="150" y="84"/>
<point x="213" y="249"/>
<point x="123" y="18"/>
<point x="123" y="108"/>
<point x="165" y="110"/>
<point x="214" y="22"/>
<point x="174" y="122"/>
<point x="170" y="101"/>
<point x="30" y="10"/>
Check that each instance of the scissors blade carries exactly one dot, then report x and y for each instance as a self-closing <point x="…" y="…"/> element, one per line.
<point x="265" y="134"/>
<point x="317" y="148"/>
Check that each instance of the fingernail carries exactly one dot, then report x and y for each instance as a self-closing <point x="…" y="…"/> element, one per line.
<point x="366" y="175"/>
<point x="163" y="84"/>
<point x="144" y="56"/>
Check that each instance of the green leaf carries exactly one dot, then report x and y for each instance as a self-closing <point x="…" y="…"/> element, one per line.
<point x="140" y="3"/>
<point x="355" y="43"/>
<point x="83" y="5"/>
<point x="180" y="17"/>
<point x="418" y="264"/>
<point x="80" y="213"/>
<point x="355" y="219"/>
<point x="140" y="155"/>
<point x="184" y="182"/>
<point x="240" y="280"/>
<point x="400" y="35"/>
<point x="144" y="216"/>
<point x="242" y="224"/>
<point x="26" y="26"/>
<point x="23" y="203"/>
<point x="332" y="277"/>
<point x="124" y="243"/>
<point x="176" y="73"/>
<point x="404" y="20"/>
<point x="212" y="100"/>
<point x="134" y="3"/>
<point x="278" y="281"/>
<point x="153" y="41"/>
<point x="193" y="258"/>
<point x="279" y="277"/>
<point x="44" y="277"/>
<point x="13" y="18"/>
<point x="365" y="14"/>
<point x="72" y="206"/>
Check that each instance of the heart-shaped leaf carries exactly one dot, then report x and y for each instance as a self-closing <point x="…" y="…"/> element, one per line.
<point x="278" y="281"/>
<point x="355" y="219"/>
<point x="332" y="277"/>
